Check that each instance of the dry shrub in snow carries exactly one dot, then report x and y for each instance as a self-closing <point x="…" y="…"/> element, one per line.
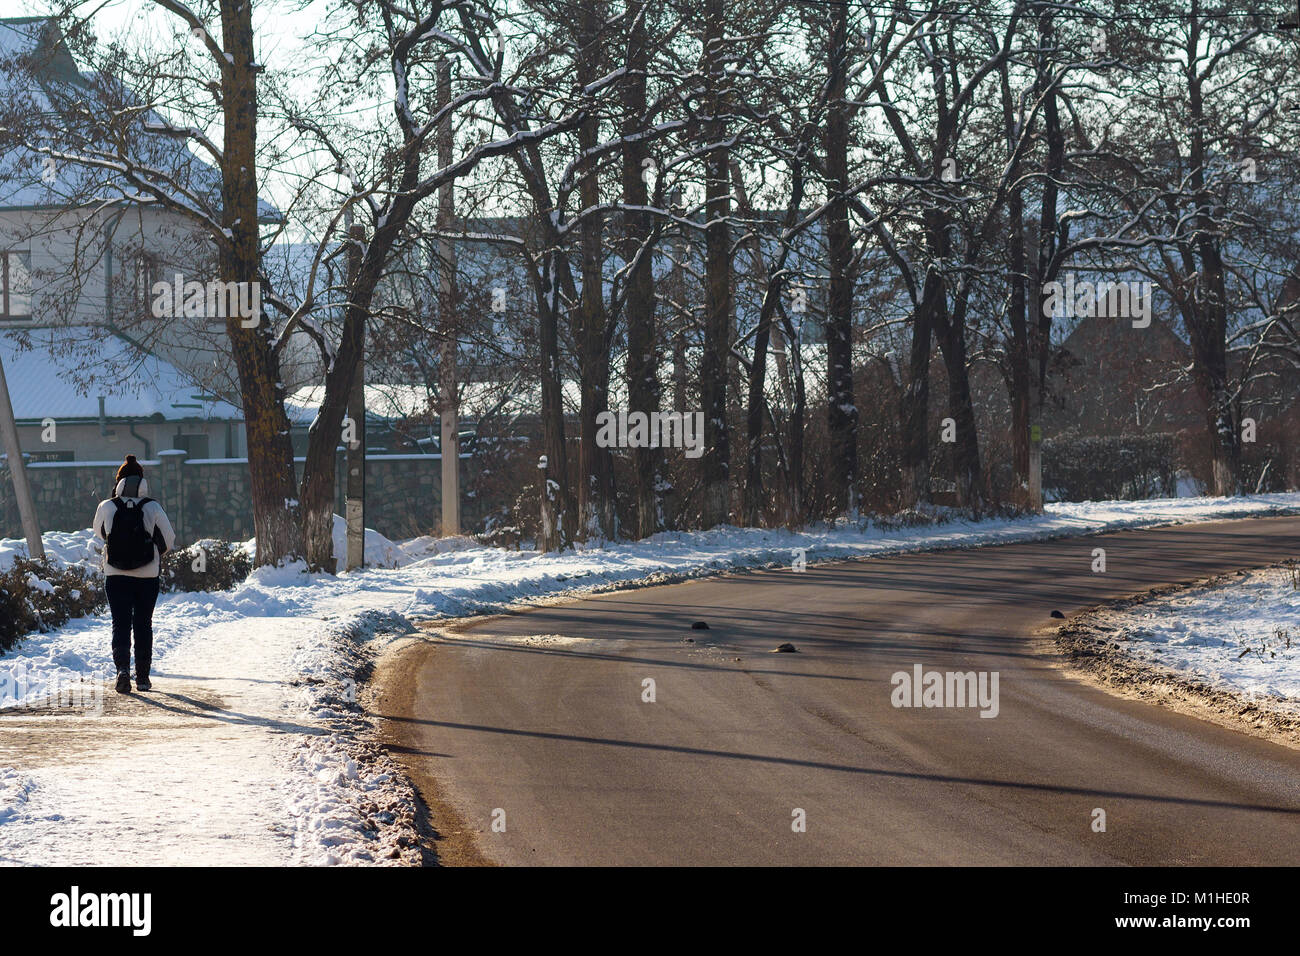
<point x="206" y="565"/>
<point x="38" y="596"/>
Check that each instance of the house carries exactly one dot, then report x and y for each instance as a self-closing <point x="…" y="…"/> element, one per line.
<point x="67" y="410"/>
<point x="82" y="252"/>
<point x="1113" y="379"/>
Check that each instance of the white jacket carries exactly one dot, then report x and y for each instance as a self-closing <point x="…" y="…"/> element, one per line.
<point x="154" y="517"/>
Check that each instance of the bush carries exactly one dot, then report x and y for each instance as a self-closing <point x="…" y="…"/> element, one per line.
<point x="524" y="518"/>
<point x="206" y="565"/>
<point x="504" y="536"/>
<point x="1101" y="469"/>
<point x="39" y="596"/>
<point x="1263" y="467"/>
<point x="910" y="518"/>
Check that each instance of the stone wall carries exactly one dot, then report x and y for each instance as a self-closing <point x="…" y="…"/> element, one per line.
<point x="208" y="498"/>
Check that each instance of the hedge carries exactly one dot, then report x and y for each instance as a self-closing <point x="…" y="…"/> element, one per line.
<point x="1101" y="469"/>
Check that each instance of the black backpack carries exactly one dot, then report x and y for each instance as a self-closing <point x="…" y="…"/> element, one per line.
<point x="130" y="546"/>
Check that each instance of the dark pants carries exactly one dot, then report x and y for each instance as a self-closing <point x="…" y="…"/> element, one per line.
<point x="131" y="601"/>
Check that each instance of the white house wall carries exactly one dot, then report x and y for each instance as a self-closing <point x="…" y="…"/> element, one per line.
<point x="85" y="441"/>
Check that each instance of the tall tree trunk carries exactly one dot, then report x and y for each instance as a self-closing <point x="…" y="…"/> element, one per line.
<point x="448" y="371"/>
<point x="842" y="412"/>
<point x="795" y="492"/>
<point x="679" y="371"/>
<point x="557" y="503"/>
<point x="318" y="477"/>
<point x="642" y="353"/>
<point x="952" y="344"/>
<point x="1050" y="231"/>
<point x="595" y="468"/>
<point x="1020" y="376"/>
<point x="754" y="407"/>
<point x="717" y="279"/>
<point x="1018" y="372"/>
<point x="772" y="281"/>
<point x="1222" y="422"/>
<point x="950" y="325"/>
<point x="1208" y="334"/>
<point x="553" y="284"/>
<point x="355" y="503"/>
<point x="752" y="501"/>
<point x="915" y="408"/>
<point x="319" y="471"/>
<point x="272" y="483"/>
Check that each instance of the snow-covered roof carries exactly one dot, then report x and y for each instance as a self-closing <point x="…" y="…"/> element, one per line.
<point x="39" y="75"/>
<point x="413" y="400"/>
<point x="382" y="401"/>
<point x="45" y="381"/>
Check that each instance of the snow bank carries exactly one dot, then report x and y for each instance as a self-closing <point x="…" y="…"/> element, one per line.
<point x="61" y="547"/>
<point x="1241" y="636"/>
<point x="474" y="580"/>
<point x="426" y="545"/>
<point x="14" y="788"/>
<point x="379" y="551"/>
<point x="84" y="547"/>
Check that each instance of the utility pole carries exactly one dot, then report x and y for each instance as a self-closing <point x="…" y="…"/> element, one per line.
<point x="355" y="505"/>
<point x="448" y="386"/>
<point x="18" y="472"/>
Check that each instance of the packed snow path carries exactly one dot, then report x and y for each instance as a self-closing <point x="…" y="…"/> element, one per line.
<point x="189" y="772"/>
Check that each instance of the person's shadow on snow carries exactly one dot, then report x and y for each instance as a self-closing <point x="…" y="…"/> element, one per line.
<point x="210" y="711"/>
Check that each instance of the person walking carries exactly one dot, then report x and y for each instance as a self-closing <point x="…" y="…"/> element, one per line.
<point x="136" y="533"/>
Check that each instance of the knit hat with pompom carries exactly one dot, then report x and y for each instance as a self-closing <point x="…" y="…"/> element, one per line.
<point x="128" y="469"/>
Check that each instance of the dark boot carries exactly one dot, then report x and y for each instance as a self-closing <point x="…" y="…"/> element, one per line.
<point x="142" y="681"/>
<point x="123" y="682"/>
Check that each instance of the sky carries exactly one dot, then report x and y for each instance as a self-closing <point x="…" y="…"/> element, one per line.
<point x="278" y="24"/>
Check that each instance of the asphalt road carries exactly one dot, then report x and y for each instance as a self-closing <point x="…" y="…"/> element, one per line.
<point x="506" y="721"/>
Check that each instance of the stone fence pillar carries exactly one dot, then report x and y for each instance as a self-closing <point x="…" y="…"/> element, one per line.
<point x="171" y="493"/>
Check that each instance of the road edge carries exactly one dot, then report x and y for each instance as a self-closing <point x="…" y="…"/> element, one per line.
<point x="1085" y="650"/>
<point x="447" y="839"/>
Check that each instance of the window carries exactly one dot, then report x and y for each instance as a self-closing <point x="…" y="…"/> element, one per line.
<point x="15" y="285"/>
<point x="147" y="270"/>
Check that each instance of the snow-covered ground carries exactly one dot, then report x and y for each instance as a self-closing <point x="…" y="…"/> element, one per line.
<point x="1241" y="635"/>
<point x="247" y="750"/>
